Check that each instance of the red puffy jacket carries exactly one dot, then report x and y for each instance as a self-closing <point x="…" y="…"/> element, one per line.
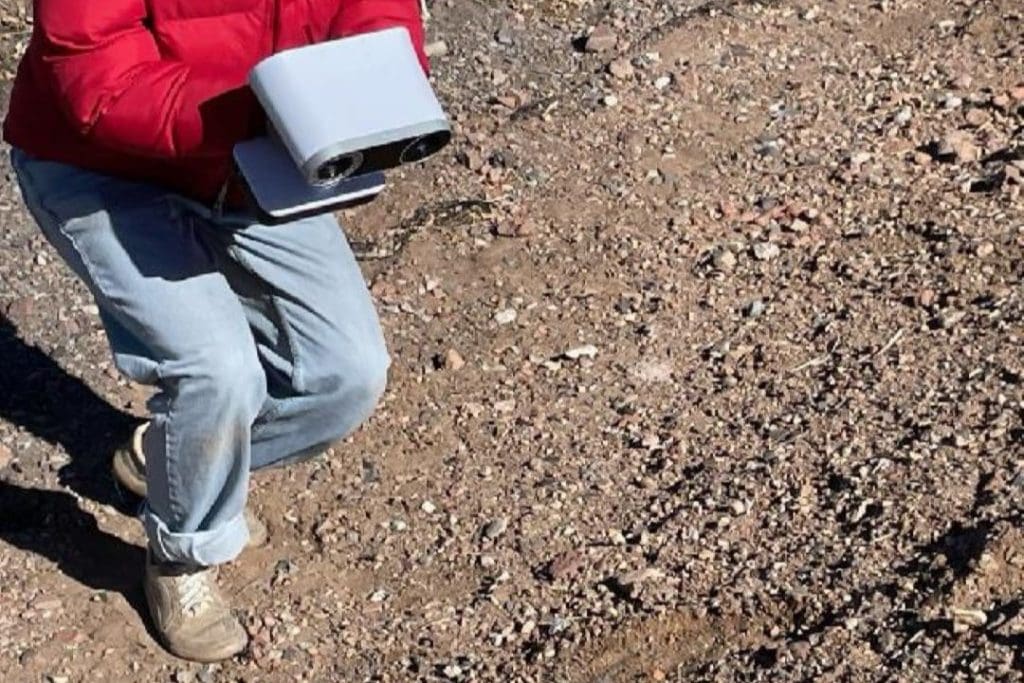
<point x="155" y="90"/>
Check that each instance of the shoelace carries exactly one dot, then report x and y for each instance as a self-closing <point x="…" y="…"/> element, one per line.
<point x="194" y="592"/>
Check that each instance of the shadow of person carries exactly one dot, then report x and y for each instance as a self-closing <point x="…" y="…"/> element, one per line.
<point x="52" y="525"/>
<point x="39" y="396"/>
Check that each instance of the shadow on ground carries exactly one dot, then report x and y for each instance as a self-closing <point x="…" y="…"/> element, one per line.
<point x="39" y="396"/>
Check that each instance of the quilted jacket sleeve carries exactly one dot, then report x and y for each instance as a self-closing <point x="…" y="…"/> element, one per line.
<point x="364" y="16"/>
<point x="104" y="66"/>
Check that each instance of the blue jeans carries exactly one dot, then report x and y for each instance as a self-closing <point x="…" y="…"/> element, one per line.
<point x="263" y="341"/>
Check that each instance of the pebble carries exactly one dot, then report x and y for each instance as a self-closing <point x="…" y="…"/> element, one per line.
<point x="585" y="351"/>
<point x="984" y="249"/>
<point x="621" y="69"/>
<point x="724" y="260"/>
<point x="564" y="565"/>
<point x="663" y="82"/>
<point x="453" y="360"/>
<point x="765" y="251"/>
<point x="859" y="159"/>
<point x="495" y="528"/>
<point x="952" y="102"/>
<point x="438" y="48"/>
<point x="6" y="456"/>
<point x="506" y="316"/>
<point x="398" y="525"/>
<point x="949" y="319"/>
<point x="601" y="39"/>
<point x="47" y="605"/>
<point x="976" y="117"/>
<point x="957" y="146"/>
<point x="965" y="619"/>
<point x="379" y="595"/>
<point x="610" y="101"/>
<point x="504" y="36"/>
<point x="754" y="309"/>
<point x="738" y="507"/>
<point x="428" y="507"/>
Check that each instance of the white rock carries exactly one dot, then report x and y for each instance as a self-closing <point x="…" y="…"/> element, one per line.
<point x="506" y="316"/>
<point x="585" y="351"/>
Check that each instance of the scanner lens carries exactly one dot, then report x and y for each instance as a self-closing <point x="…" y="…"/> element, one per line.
<point x="337" y="168"/>
<point x="422" y="147"/>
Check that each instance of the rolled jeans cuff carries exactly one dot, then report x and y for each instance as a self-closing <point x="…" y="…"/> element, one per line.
<point x="204" y="548"/>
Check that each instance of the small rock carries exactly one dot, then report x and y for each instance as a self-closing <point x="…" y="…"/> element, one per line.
<point x="399" y="525"/>
<point x="904" y="116"/>
<point x="631" y="582"/>
<point x="754" y="309"/>
<point x="724" y="260"/>
<point x="515" y="228"/>
<point x="564" y="565"/>
<point x="6" y="456"/>
<point x="738" y="507"/>
<point x="610" y="101"/>
<point x="601" y="39"/>
<point x="949" y="319"/>
<point x="964" y="619"/>
<point x="506" y="316"/>
<point x="495" y="528"/>
<point x="453" y="672"/>
<point x="984" y="249"/>
<point x="957" y="146"/>
<point x="438" y="48"/>
<point x="453" y="360"/>
<point x="504" y="36"/>
<point x="585" y="351"/>
<point x="507" y="405"/>
<point x="428" y="507"/>
<point x="184" y="676"/>
<point x="57" y="679"/>
<point x="662" y="82"/>
<point x="621" y="69"/>
<point x="976" y="117"/>
<point x="379" y="595"/>
<point x="963" y="82"/>
<point x="922" y="158"/>
<point x="47" y="605"/>
<point x="952" y="102"/>
<point x="766" y="251"/>
<point x="859" y="159"/>
<point x="798" y="225"/>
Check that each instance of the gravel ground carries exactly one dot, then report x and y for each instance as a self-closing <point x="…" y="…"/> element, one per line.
<point x="707" y="338"/>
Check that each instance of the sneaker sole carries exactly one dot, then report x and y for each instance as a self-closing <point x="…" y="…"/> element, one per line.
<point x="127" y="475"/>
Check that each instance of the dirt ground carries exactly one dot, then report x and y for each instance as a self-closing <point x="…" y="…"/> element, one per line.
<point x="707" y="367"/>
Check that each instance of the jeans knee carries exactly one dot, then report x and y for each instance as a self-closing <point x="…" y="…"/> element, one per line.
<point x="232" y="381"/>
<point x="359" y="388"/>
<point x="365" y="382"/>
